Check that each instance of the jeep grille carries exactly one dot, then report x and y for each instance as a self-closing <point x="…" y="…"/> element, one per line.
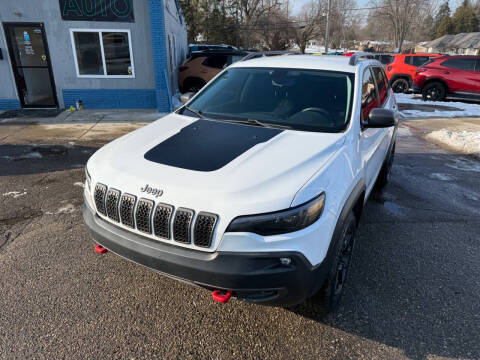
<point x="126" y="209"/>
<point x="100" y="191"/>
<point x="182" y="225"/>
<point x="203" y="230"/>
<point x="144" y="215"/>
<point x="113" y="196"/>
<point x="160" y="221"/>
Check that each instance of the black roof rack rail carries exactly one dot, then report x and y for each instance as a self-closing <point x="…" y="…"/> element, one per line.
<point x="259" y="54"/>
<point x="360" y="55"/>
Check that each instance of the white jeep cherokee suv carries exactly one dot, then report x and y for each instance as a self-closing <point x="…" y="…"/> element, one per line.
<point x="255" y="187"/>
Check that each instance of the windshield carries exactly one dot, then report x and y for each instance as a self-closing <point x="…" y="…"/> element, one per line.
<point x="309" y="100"/>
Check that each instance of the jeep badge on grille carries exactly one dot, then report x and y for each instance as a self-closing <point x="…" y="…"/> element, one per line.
<point x="149" y="190"/>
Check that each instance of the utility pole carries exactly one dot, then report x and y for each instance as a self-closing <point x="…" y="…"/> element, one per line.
<point x="327" y="35"/>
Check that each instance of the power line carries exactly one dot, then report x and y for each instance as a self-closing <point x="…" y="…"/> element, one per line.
<point x="367" y="8"/>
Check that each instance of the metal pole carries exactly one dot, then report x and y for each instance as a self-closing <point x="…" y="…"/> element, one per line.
<point x="327" y="35"/>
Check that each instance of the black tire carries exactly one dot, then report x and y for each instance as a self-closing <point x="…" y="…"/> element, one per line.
<point x="400" y="85"/>
<point x="384" y="174"/>
<point x="434" y="91"/>
<point x="328" y="298"/>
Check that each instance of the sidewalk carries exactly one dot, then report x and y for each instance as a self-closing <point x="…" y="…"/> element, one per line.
<point x="78" y="126"/>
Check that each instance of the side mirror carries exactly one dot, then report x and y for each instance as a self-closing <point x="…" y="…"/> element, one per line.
<point x="186" y="97"/>
<point x="381" y="118"/>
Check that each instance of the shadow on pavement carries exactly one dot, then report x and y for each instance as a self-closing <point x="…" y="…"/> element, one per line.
<point x="34" y="159"/>
<point x="414" y="281"/>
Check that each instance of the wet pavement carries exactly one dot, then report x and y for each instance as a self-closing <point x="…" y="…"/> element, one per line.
<point x="413" y="290"/>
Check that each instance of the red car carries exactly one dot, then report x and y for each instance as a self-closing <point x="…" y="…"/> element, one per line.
<point x="402" y="67"/>
<point x="456" y="76"/>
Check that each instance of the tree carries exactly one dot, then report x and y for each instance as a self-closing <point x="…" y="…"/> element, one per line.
<point x="309" y="24"/>
<point x="464" y="20"/>
<point x="402" y="15"/>
<point x="442" y="17"/>
<point x="219" y="26"/>
<point x="341" y="22"/>
<point x="445" y="27"/>
<point x="248" y="12"/>
<point x="275" y="30"/>
<point x="191" y="12"/>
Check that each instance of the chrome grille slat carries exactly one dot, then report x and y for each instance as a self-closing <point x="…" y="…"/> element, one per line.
<point x="143" y="215"/>
<point x="182" y="225"/>
<point x="204" y="228"/>
<point x="113" y="198"/>
<point x="99" y="196"/>
<point x="127" y="205"/>
<point x="161" y="220"/>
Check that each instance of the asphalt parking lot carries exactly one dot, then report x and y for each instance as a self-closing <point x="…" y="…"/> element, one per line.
<point x="413" y="291"/>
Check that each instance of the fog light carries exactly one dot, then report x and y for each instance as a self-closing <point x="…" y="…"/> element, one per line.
<point x="285" y="261"/>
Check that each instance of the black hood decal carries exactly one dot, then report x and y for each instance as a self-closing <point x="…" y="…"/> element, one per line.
<point x="207" y="145"/>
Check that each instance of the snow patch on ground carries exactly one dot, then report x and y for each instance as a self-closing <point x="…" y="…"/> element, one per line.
<point x="471" y="197"/>
<point x="463" y="109"/>
<point x="441" y="177"/>
<point x="78" y="183"/>
<point x="68" y="209"/>
<point x="467" y="142"/>
<point x="15" y="194"/>
<point x="31" y="155"/>
<point x="465" y="164"/>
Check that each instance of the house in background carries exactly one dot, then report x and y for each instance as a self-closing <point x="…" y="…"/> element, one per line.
<point x="460" y="44"/>
<point x="116" y="54"/>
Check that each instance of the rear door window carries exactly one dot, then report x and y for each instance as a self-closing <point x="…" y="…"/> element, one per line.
<point x="461" y="64"/>
<point x="408" y="60"/>
<point x="234" y="58"/>
<point x="369" y="94"/>
<point x="216" y="61"/>
<point x="382" y="85"/>
<point x="419" y="60"/>
<point x="385" y="59"/>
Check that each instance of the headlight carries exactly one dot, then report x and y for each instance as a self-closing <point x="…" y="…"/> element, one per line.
<point x="280" y="222"/>
<point x="88" y="180"/>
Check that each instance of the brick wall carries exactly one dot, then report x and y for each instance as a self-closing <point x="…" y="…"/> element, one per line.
<point x="111" y="98"/>
<point x="9" y="104"/>
<point x="160" y="60"/>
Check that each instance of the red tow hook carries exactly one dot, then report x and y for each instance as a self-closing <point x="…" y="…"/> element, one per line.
<point x="221" y="296"/>
<point x="99" y="249"/>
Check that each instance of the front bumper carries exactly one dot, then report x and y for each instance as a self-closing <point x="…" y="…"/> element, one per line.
<point x="254" y="277"/>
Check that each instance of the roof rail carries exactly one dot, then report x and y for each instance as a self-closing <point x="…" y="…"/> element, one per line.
<point x="358" y="56"/>
<point x="259" y="54"/>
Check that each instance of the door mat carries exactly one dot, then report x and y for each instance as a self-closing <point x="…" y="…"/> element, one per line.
<point x="37" y="113"/>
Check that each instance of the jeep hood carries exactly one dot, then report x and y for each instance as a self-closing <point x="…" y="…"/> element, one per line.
<point x="210" y="165"/>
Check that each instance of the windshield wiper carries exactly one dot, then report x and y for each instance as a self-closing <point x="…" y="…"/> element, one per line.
<point x="256" y="122"/>
<point x="196" y="112"/>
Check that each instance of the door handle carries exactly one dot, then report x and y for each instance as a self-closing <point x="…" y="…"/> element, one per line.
<point x="446" y="72"/>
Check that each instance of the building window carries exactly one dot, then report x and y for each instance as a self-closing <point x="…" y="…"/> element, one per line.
<point x="102" y="53"/>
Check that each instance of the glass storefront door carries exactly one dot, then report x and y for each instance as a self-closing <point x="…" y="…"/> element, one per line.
<point x="31" y="64"/>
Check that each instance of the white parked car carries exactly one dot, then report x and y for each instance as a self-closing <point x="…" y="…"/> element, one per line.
<point x="255" y="187"/>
